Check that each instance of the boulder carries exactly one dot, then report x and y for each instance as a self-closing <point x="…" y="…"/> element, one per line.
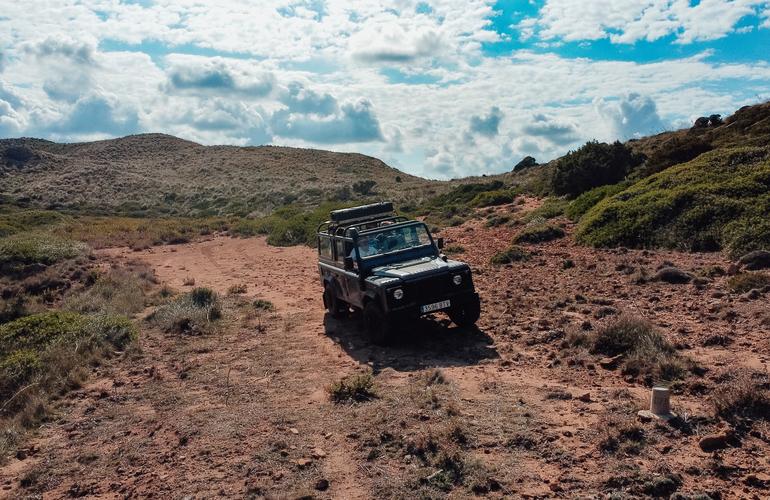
<point x="716" y="442"/>
<point x="758" y="259"/>
<point x="673" y="275"/>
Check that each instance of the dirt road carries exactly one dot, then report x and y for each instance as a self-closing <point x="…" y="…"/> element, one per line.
<point x="245" y="412"/>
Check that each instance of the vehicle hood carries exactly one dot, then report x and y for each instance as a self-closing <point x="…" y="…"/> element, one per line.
<point x="417" y="268"/>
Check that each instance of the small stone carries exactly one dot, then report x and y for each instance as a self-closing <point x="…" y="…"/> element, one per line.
<point x="753" y="294"/>
<point x="716" y="442"/>
<point x="317" y="453"/>
<point x="303" y="462"/>
<point x="673" y="275"/>
<point x="322" y="485"/>
<point x="586" y="397"/>
<point x="758" y="259"/>
<point x="610" y="363"/>
<point x="293" y="430"/>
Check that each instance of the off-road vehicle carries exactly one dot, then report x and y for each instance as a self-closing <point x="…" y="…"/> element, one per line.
<point x="391" y="268"/>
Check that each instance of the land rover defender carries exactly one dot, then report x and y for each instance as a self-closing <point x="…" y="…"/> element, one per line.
<point x="391" y="268"/>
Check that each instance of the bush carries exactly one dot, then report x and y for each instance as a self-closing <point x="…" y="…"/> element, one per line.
<point x="594" y="164"/>
<point x="539" y="233"/>
<point x="551" y="207"/>
<point x="743" y="282"/>
<point x="719" y="200"/>
<point x="353" y="388"/>
<point x="510" y="255"/>
<point x="589" y="199"/>
<point x="677" y="149"/>
<point x="493" y="198"/>
<point x="237" y="289"/>
<point x="35" y="248"/>
<point x="646" y="351"/>
<point x="263" y="305"/>
<point x="364" y="187"/>
<point x="745" y="395"/>
<point x="193" y="313"/>
<point x="454" y="249"/>
<point x="118" y="292"/>
<point x="42" y="349"/>
<point x="525" y="163"/>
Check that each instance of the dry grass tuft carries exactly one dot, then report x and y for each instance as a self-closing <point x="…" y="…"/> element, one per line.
<point x="353" y="388"/>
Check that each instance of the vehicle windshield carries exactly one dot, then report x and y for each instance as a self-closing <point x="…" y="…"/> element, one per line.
<point x="393" y="240"/>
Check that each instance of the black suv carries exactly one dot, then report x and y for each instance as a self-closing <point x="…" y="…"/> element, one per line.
<point x="391" y="268"/>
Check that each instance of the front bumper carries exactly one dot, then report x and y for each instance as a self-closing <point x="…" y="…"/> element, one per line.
<point x="411" y="310"/>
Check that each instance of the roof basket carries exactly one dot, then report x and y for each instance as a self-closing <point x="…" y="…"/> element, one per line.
<point x="373" y="211"/>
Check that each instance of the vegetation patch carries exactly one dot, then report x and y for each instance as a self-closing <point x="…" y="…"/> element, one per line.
<point x="539" y="233"/>
<point x="510" y="255"/>
<point x="744" y="282"/>
<point x="116" y="292"/>
<point x="353" y="388"/>
<point x="645" y="352"/>
<point x="745" y="395"/>
<point x="44" y="353"/>
<point x="37" y="248"/>
<point x="263" y="305"/>
<point x="551" y="207"/>
<point x="193" y="313"/>
<point x="718" y="201"/>
<point x="289" y="225"/>
<point x="592" y="165"/>
<point x="493" y="198"/>
<point x="583" y="203"/>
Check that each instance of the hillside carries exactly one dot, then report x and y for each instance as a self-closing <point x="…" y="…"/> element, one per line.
<point x="155" y="174"/>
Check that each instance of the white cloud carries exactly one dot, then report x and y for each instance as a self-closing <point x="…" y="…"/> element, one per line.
<point x="628" y="21"/>
<point x="633" y="115"/>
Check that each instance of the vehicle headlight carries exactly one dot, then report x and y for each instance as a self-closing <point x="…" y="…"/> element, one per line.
<point x="398" y="294"/>
<point x="457" y="279"/>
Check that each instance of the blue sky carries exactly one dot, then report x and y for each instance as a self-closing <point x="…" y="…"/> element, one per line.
<point x="442" y="88"/>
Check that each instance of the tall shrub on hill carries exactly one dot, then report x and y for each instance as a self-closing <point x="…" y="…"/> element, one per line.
<point x="592" y="165"/>
<point x="720" y="200"/>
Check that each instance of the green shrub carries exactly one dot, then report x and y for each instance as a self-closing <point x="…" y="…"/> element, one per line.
<point x="719" y="200"/>
<point x="743" y="282"/>
<point x="117" y="292"/>
<point x="589" y="199"/>
<point x="263" y="305"/>
<point x="493" y="198"/>
<point x="353" y="388"/>
<point x="551" y="207"/>
<point x="193" y="313"/>
<point x="454" y="249"/>
<point x="43" y="348"/>
<point x="37" y="248"/>
<point x="594" y="164"/>
<point x="677" y="149"/>
<point x="646" y="351"/>
<point x="510" y="255"/>
<point x="539" y="233"/>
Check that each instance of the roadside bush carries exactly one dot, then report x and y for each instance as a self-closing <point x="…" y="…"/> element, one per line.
<point x="594" y="164"/>
<point x="37" y="248"/>
<point x="263" y="305"/>
<point x="510" y="255"/>
<point x="290" y="225"/>
<point x="193" y="313"/>
<point x="539" y="233"/>
<point x="353" y="388"/>
<point x="117" y="292"/>
<point x="743" y="282"/>
<point x="39" y="352"/>
<point x="583" y="203"/>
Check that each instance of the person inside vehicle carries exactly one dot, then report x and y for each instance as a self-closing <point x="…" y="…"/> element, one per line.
<point x="365" y="249"/>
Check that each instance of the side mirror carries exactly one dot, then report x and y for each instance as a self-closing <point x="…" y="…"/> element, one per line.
<point x="440" y="243"/>
<point x="348" y="263"/>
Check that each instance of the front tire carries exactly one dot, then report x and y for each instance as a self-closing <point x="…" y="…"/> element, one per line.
<point x="336" y="307"/>
<point x="466" y="315"/>
<point x="378" y="325"/>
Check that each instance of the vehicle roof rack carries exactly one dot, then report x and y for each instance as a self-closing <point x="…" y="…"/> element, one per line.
<point x="362" y="213"/>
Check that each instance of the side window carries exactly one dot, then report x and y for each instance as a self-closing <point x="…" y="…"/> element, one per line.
<point x="340" y="250"/>
<point x="325" y="247"/>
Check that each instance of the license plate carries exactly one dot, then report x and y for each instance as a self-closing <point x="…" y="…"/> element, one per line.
<point x="436" y="306"/>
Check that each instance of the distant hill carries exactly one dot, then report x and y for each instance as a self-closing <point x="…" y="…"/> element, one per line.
<point x="156" y="174"/>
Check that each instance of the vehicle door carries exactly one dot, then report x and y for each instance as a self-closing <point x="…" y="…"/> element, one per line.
<point x="348" y="277"/>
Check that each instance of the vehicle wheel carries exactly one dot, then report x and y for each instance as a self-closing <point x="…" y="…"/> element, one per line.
<point x="466" y="314"/>
<point x="336" y="307"/>
<point x="378" y="326"/>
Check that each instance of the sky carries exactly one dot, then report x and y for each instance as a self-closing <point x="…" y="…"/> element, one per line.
<point x="440" y="89"/>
